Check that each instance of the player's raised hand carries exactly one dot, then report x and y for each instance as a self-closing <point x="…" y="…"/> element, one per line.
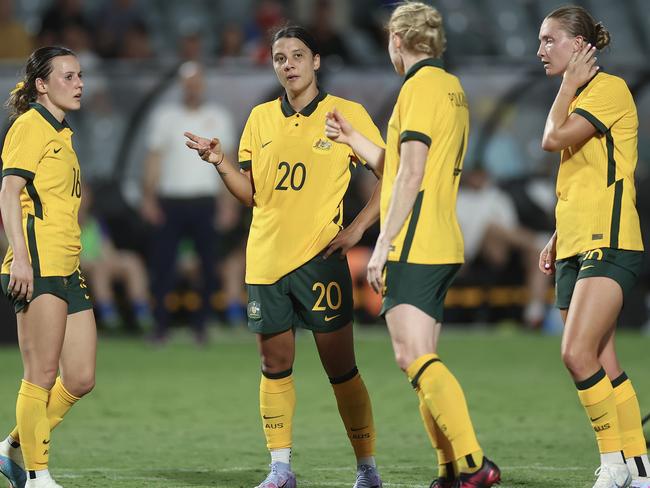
<point x="337" y="127"/>
<point x="208" y="149"/>
<point x="582" y="66"/>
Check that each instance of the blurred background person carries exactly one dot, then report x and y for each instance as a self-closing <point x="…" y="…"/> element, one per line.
<point x="491" y="230"/>
<point x="332" y="44"/>
<point x="114" y="20"/>
<point x="105" y="266"/>
<point x="16" y="43"/>
<point x="57" y="17"/>
<point x="179" y="195"/>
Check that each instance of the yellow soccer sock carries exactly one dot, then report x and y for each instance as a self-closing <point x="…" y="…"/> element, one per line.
<point x="356" y="412"/>
<point x="597" y="396"/>
<point x="33" y="425"/>
<point x="444" y="397"/>
<point x="439" y="442"/>
<point x="277" y="405"/>
<point x="58" y="404"/>
<point x="629" y="417"/>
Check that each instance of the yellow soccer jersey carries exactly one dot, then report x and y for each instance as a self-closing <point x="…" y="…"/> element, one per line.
<point x="596" y="204"/>
<point x="299" y="178"/>
<point x="431" y="108"/>
<point x="39" y="148"/>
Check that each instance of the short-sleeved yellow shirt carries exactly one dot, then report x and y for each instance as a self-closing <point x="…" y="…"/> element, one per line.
<point x="300" y="178"/>
<point x="39" y="148"/>
<point x="595" y="186"/>
<point x="431" y="108"/>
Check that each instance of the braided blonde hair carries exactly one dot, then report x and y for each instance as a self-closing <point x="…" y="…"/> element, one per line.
<point x="420" y="27"/>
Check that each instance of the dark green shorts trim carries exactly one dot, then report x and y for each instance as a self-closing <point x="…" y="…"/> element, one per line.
<point x="422" y="285"/>
<point x="620" y="265"/>
<point x="316" y="296"/>
<point x="71" y="288"/>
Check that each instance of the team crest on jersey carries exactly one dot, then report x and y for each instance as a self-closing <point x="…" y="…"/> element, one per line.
<point x="321" y="145"/>
<point x="254" y="310"/>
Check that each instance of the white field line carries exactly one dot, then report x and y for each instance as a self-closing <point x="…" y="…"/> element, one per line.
<point x="123" y="474"/>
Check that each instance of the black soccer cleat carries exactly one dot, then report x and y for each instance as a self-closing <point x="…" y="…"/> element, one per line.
<point x="442" y="483"/>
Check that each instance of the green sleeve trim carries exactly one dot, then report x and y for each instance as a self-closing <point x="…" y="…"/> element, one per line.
<point x="600" y="127"/>
<point x="246" y="165"/>
<point x="28" y="175"/>
<point x="411" y="135"/>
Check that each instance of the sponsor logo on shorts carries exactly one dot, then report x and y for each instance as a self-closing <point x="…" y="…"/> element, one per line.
<point x="330" y="318"/>
<point x="254" y="310"/>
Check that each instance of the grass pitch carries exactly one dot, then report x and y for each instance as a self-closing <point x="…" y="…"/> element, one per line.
<point x="179" y="417"/>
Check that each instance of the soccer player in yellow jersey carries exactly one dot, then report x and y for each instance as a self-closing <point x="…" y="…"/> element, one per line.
<point x="39" y="199"/>
<point x="295" y="179"/>
<point x="596" y="252"/>
<point x="420" y="246"/>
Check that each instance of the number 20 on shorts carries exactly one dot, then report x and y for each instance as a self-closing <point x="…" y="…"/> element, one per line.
<point x="330" y="294"/>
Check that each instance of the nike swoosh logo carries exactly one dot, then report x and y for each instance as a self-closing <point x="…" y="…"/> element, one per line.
<point x="360" y="428"/>
<point x="56" y="151"/>
<point x="86" y="297"/>
<point x="598" y="418"/>
<point x="327" y="318"/>
<point x="266" y="144"/>
<point x="46" y="442"/>
<point x="587" y="267"/>
<point x="272" y="417"/>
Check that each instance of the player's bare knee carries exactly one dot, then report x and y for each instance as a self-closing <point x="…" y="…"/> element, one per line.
<point x="577" y="360"/>
<point x="403" y="359"/>
<point x="80" y="385"/>
<point x="42" y="376"/>
<point x="275" y="363"/>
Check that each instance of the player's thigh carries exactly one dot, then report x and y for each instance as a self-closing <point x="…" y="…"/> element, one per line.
<point x="41" y="330"/>
<point x="321" y="290"/>
<point x="594" y="308"/>
<point x="413" y="305"/>
<point x="604" y="277"/>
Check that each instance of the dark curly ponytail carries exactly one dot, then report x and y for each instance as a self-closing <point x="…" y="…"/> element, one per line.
<point x="39" y="65"/>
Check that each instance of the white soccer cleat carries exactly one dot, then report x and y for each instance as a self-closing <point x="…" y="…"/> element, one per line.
<point x="640" y="483"/>
<point x="11" y="465"/>
<point x="42" y="482"/>
<point x="613" y="476"/>
<point x="367" y="477"/>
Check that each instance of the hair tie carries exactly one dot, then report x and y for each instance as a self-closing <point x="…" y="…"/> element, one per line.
<point x="19" y="86"/>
